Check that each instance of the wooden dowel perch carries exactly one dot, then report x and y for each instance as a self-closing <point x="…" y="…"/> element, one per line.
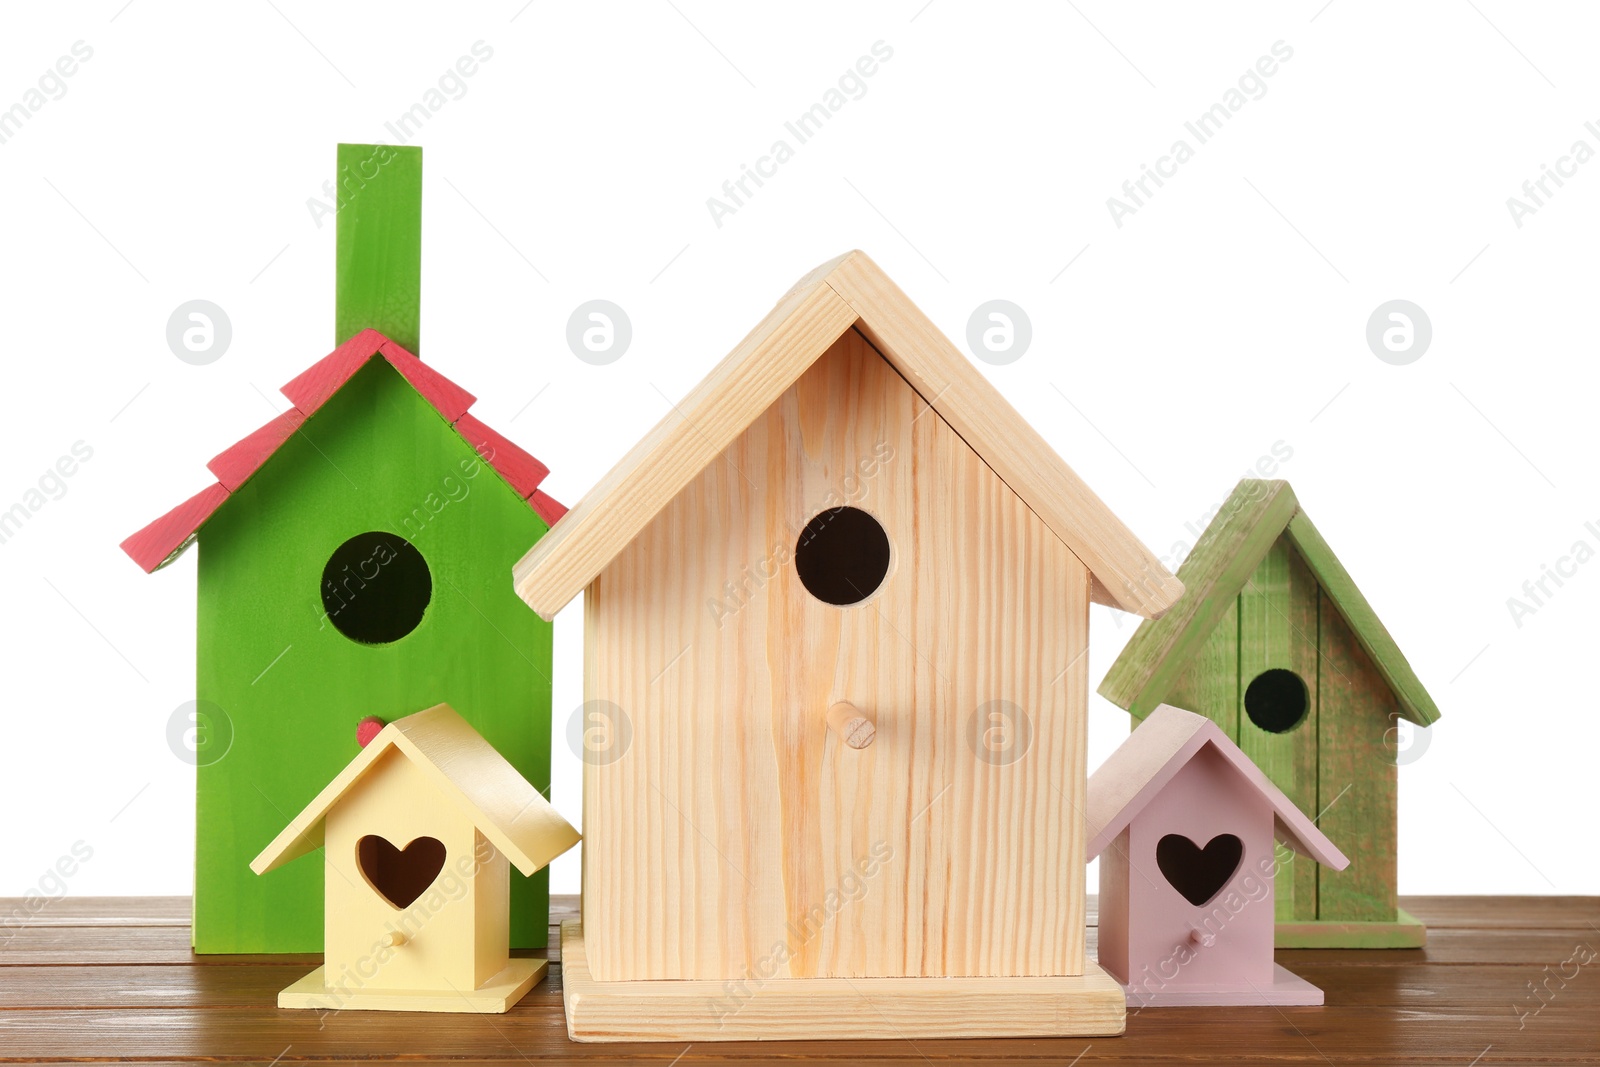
<point x="852" y="727"/>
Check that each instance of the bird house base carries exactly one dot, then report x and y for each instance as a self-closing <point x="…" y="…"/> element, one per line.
<point x="1284" y="989"/>
<point x="1404" y="932"/>
<point x="791" y="1009"/>
<point x="494" y="996"/>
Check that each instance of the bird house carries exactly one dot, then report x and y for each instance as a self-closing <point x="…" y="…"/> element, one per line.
<point x="418" y="834"/>
<point x="1184" y="827"/>
<point x="836" y="614"/>
<point x="353" y="554"/>
<point x="1273" y="641"/>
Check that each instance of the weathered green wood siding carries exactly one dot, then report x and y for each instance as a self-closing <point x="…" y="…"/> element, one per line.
<point x="1278" y="629"/>
<point x="1358" y="783"/>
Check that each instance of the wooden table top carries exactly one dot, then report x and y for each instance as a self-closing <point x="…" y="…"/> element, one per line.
<point x="1502" y="980"/>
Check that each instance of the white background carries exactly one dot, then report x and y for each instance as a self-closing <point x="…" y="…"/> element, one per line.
<point x="1226" y="315"/>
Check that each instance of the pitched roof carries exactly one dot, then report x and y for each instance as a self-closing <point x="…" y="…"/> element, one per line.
<point x="165" y="539"/>
<point x="1250" y="522"/>
<point x="506" y="809"/>
<point x="845" y="292"/>
<point x="1153" y="755"/>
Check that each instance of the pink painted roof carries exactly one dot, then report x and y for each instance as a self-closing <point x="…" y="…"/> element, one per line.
<point x="163" y="540"/>
<point x="1151" y="757"/>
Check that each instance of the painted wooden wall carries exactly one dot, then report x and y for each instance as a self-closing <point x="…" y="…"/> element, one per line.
<point x="1207" y="798"/>
<point x="456" y="931"/>
<point x="375" y="457"/>
<point x="1335" y="763"/>
<point x="736" y="837"/>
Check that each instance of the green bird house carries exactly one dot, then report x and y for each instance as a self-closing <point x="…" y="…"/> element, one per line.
<point x="1273" y="641"/>
<point x="354" y="562"/>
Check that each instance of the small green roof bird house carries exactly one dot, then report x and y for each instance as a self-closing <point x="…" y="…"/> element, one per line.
<point x="354" y="553"/>
<point x="1273" y="641"/>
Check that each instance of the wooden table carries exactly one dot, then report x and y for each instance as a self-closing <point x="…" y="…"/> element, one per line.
<point x="108" y="979"/>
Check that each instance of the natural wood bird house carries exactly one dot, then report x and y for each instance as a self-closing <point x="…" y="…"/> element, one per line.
<point x="836" y="614"/>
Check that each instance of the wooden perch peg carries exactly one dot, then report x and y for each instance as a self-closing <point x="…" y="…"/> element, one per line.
<point x="852" y="727"/>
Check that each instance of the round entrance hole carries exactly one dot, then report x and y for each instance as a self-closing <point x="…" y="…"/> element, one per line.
<point x="376" y="587"/>
<point x="842" y="556"/>
<point x="1276" y="700"/>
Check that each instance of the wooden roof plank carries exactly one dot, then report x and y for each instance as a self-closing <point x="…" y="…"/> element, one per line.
<point x="688" y="439"/>
<point x="845" y="292"/>
<point x="1129" y="576"/>
<point x="509" y="811"/>
<point x="1247" y="524"/>
<point x="1256" y="514"/>
<point x="1152" y="756"/>
<point x="1370" y="633"/>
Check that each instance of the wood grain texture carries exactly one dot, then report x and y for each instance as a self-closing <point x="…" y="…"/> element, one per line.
<point x="684" y="443"/>
<point x="1128" y="574"/>
<point x="850" y="726"/>
<point x="845" y="291"/>
<point x="736" y="829"/>
<point x="1415" y="703"/>
<point x="1443" y="912"/>
<point x="1403" y="931"/>
<point x="1444" y="1004"/>
<point x="1278" y="630"/>
<point x="93" y="911"/>
<point x="1253" y="518"/>
<point x="1358" y="783"/>
<point x="1210" y="685"/>
<point x="798" y="1008"/>
<point x="1300" y="610"/>
<point x="1229" y="551"/>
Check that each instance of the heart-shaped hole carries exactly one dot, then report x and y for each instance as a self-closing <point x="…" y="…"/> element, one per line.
<point x="400" y="874"/>
<point x="1199" y="873"/>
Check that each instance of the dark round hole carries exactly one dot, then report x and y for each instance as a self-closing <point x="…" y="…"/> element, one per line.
<point x="1276" y="700"/>
<point x="842" y="556"/>
<point x="376" y="587"/>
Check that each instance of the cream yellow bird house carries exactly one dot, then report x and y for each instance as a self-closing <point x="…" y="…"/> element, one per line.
<point x="418" y="833"/>
<point x="836" y="615"/>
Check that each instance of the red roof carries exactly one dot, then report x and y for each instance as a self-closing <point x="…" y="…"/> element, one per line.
<point x="164" y="539"/>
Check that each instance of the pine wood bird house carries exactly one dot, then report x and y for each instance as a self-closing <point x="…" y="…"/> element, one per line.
<point x="1184" y="827"/>
<point x="353" y="554"/>
<point x="1273" y="641"/>
<point x="836" y="608"/>
<point x="418" y="835"/>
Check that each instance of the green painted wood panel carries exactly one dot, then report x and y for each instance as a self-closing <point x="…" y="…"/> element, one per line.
<point x="375" y="457"/>
<point x="1209" y="686"/>
<point x="1248" y="524"/>
<point x="378" y="261"/>
<point x="1414" y="701"/>
<point x="1358" y="785"/>
<point x="1278" y="629"/>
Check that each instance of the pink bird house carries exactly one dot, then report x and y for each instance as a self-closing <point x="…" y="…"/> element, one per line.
<point x="1185" y="827"/>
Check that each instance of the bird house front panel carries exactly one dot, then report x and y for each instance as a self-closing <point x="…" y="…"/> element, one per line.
<point x="844" y="678"/>
<point x="402" y="877"/>
<point x="1201" y="866"/>
<point x="360" y="572"/>
<point x="1285" y="677"/>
